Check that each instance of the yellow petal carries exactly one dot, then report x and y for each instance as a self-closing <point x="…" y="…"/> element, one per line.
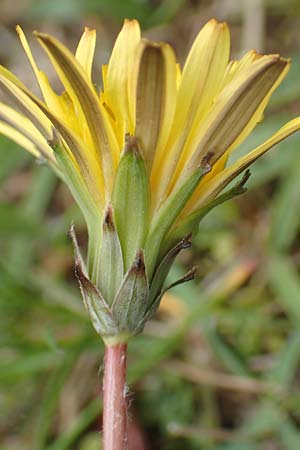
<point x="203" y="72"/>
<point x="211" y="189"/>
<point x="237" y="66"/>
<point x="27" y="129"/>
<point x="54" y="101"/>
<point x="178" y="75"/>
<point x="19" y="138"/>
<point x="85" y="50"/>
<point x="89" y="169"/>
<point x="87" y="104"/>
<point x="44" y="120"/>
<point x="72" y="175"/>
<point x="11" y="77"/>
<point x="61" y="104"/>
<point x="51" y="98"/>
<point x="155" y="99"/>
<point x="201" y="79"/>
<point x="27" y="50"/>
<point x="119" y="85"/>
<point x="258" y="116"/>
<point x="104" y="76"/>
<point x="237" y="106"/>
<point x="18" y="94"/>
<point x="49" y="95"/>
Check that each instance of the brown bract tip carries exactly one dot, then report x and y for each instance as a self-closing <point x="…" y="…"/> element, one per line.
<point x="71" y="231"/>
<point x="186" y="241"/>
<point x="55" y="141"/>
<point x="131" y="144"/>
<point x="205" y="163"/>
<point x="139" y="263"/>
<point x="72" y="235"/>
<point x="183" y="244"/>
<point x="85" y="284"/>
<point x="190" y="275"/>
<point x="108" y="217"/>
<point x="246" y="177"/>
<point x="79" y="272"/>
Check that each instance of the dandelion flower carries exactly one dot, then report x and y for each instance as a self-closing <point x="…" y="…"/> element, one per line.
<point x="145" y="156"/>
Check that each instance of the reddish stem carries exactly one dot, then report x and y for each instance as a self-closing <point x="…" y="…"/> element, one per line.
<point x="114" y="398"/>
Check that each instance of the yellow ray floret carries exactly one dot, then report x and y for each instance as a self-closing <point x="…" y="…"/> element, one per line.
<point x="216" y="184"/>
<point x="119" y="83"/>
<point x="200" y="81"/>
<point x="179" y="118"/>
<point x="85" y="51"/>
<point x="155" y="99"/>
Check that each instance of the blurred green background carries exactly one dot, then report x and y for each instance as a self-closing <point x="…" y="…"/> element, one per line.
<point x="218" y="368"/>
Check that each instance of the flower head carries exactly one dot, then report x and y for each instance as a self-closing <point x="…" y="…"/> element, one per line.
<point x="146" y="155"/>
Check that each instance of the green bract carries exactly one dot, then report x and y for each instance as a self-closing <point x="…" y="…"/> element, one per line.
<point x="125" y="279"/>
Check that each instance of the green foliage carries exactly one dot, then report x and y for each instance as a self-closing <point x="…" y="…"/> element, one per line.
<point x="143" y="10"/>
<point x="219" y="369"/>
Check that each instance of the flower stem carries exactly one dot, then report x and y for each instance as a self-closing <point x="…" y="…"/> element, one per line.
<point x="114" y="398"/>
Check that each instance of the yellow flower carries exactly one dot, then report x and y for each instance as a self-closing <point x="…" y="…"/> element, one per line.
<point x="146" y="154"/>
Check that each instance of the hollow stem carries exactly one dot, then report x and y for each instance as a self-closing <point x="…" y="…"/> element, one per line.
<point x="114" y="398"/>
